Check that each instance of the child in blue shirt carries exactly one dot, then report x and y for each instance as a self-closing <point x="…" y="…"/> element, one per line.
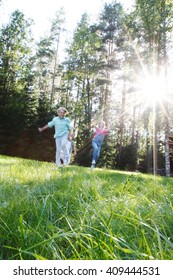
<point x="62" y="134"/>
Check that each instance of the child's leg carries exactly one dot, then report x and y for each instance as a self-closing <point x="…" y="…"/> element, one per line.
<point x="95" y="151"/>
<point x="58" y="150"/>
<point x="99" y="151"/>
<point x="65" y="149"/>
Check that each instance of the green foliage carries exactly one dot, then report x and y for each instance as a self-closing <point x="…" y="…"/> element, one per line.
<point x="111" y="22"/>
<point x="155" y="18"/>
<point x="17" y="101"/>
<point x="127" y="158"/>
<point x="79" y="213"/>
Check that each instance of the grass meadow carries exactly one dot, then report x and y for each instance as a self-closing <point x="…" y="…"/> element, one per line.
<point x="75" y="213"/>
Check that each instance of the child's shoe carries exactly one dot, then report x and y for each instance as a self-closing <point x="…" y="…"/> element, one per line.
<point x="93" y="164"/>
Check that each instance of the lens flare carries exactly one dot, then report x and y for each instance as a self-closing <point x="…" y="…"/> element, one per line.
<point x="152" y="90"/>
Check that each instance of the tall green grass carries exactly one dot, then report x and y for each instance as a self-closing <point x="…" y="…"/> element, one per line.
<point x="79" y="213"/>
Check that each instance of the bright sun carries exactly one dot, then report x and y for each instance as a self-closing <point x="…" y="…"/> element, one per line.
<point x="152" y="89"/>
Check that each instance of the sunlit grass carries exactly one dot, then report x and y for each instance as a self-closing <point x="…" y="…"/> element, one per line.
<point x="79" y="213"/>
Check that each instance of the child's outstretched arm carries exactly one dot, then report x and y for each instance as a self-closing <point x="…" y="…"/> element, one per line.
<point x="40" y="129"/>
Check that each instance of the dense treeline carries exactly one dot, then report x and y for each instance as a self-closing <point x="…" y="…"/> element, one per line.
<point x="117" y="69"/>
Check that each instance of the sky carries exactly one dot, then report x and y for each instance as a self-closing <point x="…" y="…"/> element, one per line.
<point x="42" y="11"/>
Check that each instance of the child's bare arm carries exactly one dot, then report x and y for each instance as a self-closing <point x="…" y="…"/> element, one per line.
<point x="40" y="129"/>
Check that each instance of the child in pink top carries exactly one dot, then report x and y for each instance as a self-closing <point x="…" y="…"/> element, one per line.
<point x="97" y="141"/>
<point x="100" y="131"/>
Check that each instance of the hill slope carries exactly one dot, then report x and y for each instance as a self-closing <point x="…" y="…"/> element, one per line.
<point x="79" y="213"/>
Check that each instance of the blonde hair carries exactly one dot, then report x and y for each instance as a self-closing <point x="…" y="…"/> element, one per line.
<point x="103" y="122"/>
<point x="62" y="108"/>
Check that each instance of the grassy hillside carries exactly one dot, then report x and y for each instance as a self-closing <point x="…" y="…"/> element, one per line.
<point x="79" y="213"/>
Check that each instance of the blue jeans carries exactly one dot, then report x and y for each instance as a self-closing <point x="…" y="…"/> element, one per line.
<point x="97" y="144"/>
